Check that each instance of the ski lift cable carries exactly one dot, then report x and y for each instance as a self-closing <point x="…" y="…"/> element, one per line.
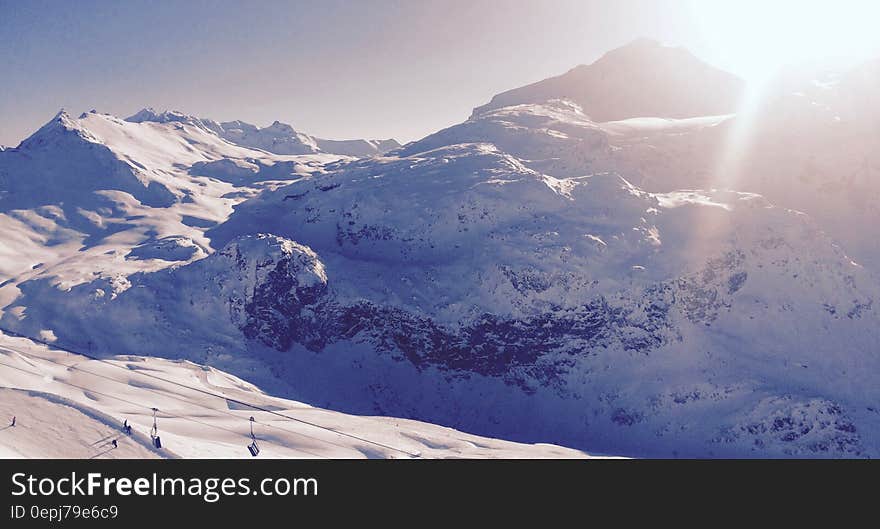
<point x="219" y="396"/>
<point x="206" y="392"/>
<point x="176" y="397"/>
<point x="243" y="403"/>
<point x="167" y="415"/>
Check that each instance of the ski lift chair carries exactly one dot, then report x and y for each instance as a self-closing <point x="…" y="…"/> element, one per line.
<point x="253" y="448"/>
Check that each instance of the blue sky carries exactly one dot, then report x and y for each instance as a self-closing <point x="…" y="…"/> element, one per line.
<point x="366" y="68"/>
<point x="339" y="69"/>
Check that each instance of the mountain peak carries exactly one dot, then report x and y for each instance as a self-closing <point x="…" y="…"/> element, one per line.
<point x="647" y="49"/>
<point x="642" y="42"/>
<point x="643" y="78"/>
<point x="60" y="124"/>
<point x="282" y="127"/>
<point x="62" y="119"/>
<point x="164" y="116"/>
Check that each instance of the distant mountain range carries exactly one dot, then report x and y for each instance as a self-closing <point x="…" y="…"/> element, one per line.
<point x="278" y="138"/>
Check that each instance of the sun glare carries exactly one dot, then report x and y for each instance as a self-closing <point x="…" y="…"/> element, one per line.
<point x="755" y="39"/>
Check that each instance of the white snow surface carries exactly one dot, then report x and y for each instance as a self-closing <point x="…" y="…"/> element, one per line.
<point x="67" y="405"/>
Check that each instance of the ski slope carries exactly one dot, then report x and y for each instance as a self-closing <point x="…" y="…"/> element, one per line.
<point x="68" y="405"/>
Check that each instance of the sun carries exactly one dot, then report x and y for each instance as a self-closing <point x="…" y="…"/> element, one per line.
<point x="756" y="39"/>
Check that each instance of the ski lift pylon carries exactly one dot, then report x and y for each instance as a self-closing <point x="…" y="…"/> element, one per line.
<point x="253" y="448"/>
<point x="154" y="432"/>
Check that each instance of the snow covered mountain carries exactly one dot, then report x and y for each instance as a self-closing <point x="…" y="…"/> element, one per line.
<point x="278" y="138"/>
<point x="807" y="143"/>
<point x="96" y="194"/>
<point x="582" y="262"/>
<point x="641" y="79"/>
<point x="494" y="294"/>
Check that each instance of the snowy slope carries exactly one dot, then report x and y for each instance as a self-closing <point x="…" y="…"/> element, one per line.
<point x="51" y="427"/>
<point x="556" y="137"/>
<point x="69" y="406"/>
<point x="95" y="194"/>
